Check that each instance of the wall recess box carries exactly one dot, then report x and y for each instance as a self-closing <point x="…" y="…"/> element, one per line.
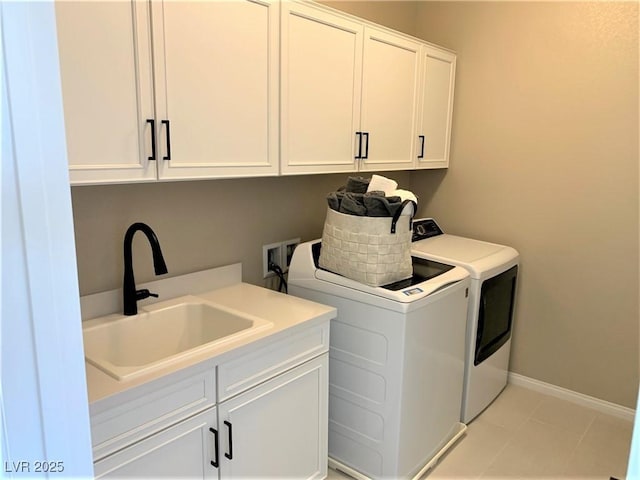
<point x="288" y="247"/>
<point x="271" y="253"/>
<point x="279" y="253"/>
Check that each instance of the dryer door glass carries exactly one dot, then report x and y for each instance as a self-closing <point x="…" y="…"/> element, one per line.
<point x="495" y="316"/>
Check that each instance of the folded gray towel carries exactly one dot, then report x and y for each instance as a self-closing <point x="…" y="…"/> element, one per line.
<point x="375" y="193"/>
<point x="381" y="206"/>
<point x="334" y="200"/>
<point x="370" y="204"/>
<point x="357" y="184"/>
<point x="353" y="204"/>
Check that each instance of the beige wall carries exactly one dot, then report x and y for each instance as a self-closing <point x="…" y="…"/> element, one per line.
<point x="545" y="141"/>
<point x="397" y="14"/>
<point x="199" y="225"/>
<point x="544" y="157"/>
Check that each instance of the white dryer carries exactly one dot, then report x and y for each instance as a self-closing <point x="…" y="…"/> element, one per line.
<point x="494" y="270"/>
<point x="396" y="364"/>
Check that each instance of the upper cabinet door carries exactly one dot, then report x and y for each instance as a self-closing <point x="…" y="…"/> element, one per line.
<point x="436" y="108"/>
<point x="217" y="69"/>
<point x="320" y="85"/>
<point x="105" y="66"/>
<point x="389" y="98"/>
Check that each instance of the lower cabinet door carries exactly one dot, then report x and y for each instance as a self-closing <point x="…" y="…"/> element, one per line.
<point x="279" y="428"/>
<point x="184" y="450"/>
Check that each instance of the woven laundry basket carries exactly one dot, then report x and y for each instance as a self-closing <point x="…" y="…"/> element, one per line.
<point x="371" y="250"/>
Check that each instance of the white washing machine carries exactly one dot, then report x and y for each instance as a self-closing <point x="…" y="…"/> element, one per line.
<point x="396" y="364"/>
<point x="494" y="270"/>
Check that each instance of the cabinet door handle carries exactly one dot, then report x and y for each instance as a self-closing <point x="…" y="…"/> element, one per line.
<point x="366" y="146"/>
<point x="421" y="137"/>
<point x="214" y="462"/>
<point x="230" y="454"/>
<point x="359" y="153"/>
<point x="168" y="156"/>
<point x="153" y="139"/>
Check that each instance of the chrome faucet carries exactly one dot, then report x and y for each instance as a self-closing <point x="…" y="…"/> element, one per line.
<point x="130" y="295"/>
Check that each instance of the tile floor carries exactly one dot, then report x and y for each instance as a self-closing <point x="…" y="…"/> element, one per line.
<point x="525" y="434"/>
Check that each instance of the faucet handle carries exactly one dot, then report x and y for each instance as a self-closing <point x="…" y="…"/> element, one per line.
<point x="144" y="293"/>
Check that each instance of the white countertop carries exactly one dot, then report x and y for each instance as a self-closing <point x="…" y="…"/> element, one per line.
<point x="284" y="311"/>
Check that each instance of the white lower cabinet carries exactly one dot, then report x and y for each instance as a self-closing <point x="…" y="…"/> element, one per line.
<point x="184" y="450"/>
<point x="276" y="426"/>
<point x="278" y="429"/>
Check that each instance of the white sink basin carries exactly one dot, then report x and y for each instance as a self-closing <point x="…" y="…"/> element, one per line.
<point x="162" y="333"/>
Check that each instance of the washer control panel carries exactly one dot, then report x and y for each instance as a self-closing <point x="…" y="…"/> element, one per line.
<point x="425" y="228"/>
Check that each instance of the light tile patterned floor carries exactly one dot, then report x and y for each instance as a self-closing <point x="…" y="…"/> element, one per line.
<point x="525" y="434"/>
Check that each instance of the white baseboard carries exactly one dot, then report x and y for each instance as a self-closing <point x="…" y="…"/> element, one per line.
<point x="602" y="406"/>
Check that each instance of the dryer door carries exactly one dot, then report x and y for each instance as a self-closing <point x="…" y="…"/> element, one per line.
<point x="497" y="298"/>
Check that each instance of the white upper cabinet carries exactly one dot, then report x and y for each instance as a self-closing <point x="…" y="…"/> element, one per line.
<point x="321" y="81"/>
<point x="436" y="107"/>
<point x="350" y="96"/>
<point x="214" y="81"/>
<point x="217" y="71"/>
<point x="389" y="99"/>
<point x="107" y="90"/>
<point x="178" y="90"/>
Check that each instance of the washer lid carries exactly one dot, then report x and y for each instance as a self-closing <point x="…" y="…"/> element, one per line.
<point x="304" y="273"/>
<point x="480" y="258"/>
<point x="404" y="292"/>
<point x="464" y="250"/>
